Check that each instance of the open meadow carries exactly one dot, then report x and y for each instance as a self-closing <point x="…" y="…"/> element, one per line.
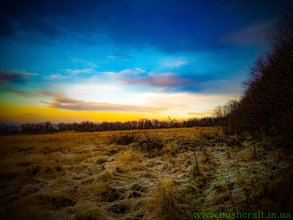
<point x="153" y="174"/>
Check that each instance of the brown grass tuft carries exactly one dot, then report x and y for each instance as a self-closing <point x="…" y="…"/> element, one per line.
<point x="106" y="193"/>
<point x="89" y="211"/>
<point x="130" y="155"/>
<point x="105" y="176"/>
<point x="163" y="205"/>
<point x="101" y="159"/>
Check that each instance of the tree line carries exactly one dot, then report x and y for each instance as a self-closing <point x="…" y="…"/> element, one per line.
<point x="87" y="126"/>
<point x="266" y="107"/>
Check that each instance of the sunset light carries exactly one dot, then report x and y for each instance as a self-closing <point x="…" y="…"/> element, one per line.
<point x="146" y="109"/>
<point x="128" y="60"/>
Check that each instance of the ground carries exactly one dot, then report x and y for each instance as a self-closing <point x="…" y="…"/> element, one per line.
<point x="145" y="174"/>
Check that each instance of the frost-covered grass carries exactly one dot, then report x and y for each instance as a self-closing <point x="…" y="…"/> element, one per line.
<point x="139" y="175"/>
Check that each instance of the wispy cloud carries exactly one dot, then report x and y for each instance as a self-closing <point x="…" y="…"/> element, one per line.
<point x="131" y="71"/>
<point x="126" y="72"/>
<point x="41" y="93"/>
<point x="139" y="70"/>
<point x="76" y="71"/>
<point x="69" y="73"/>
<point x="93" y="65"/>
<point x="56" y="94"/>
<point x="112" y="57"/>
<point x="175" y="62"/>
<point x="81" y="105"/>
<point x="62" y="101"/>
<point x="15" y="76"/>
<point x="152" y="79"/>
<point x="55" y="76"/>
<point x="252" y="34"/>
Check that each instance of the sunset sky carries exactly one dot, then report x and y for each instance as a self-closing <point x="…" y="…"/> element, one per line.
<point x="120" y="60"/>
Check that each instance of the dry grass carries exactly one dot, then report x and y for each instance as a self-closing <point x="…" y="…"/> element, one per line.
<point x="163" y="205"/>
<point x="140" y="175"/>
<point x="129" y="155"/>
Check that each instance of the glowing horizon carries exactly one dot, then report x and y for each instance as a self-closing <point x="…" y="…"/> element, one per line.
<point x="126" y="61"/>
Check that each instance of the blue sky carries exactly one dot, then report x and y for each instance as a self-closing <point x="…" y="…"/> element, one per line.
<point x="127" y="59"/>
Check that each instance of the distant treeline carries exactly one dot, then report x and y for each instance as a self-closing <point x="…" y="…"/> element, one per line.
<point x="266" y="107"/>
<point x="87" y="126"/>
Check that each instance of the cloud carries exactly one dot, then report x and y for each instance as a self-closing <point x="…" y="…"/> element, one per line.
<point x="41" y="93"/>
<point x="131" y="72"/>
<point x="72" y="72"/>
<point x="112" y="57"/>
<point x="184" y="102"/>
<point x="140" y="70"/>
<point x="56" y="76"/>
<point x="76" y="71"/>
<point x="36" y="94"/>
<point x="127" y="72"/>
<point x="175" y="62"/>
<point x="162" y="80"/>
<point x="15" y="76"/>
<point x="93" y="65"/>
<point x="210" y="84"/>
<point x="252" y="34"/>
<point x="81" y="105"/>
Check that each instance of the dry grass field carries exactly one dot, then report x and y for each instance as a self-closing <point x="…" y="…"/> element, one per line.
<point x="153" y="174"/>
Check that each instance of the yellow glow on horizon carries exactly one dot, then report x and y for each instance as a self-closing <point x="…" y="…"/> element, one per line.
<point x="181" y="106"/>
<point x="33" y="114"/>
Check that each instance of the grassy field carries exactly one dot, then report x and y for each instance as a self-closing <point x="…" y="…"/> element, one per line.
<point x="153" y="174"/>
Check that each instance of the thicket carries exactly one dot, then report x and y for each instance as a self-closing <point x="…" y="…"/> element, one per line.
<point x="266" y="107"/>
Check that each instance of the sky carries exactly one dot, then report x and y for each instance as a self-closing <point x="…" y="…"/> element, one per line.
<point x="120" y="60"/>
